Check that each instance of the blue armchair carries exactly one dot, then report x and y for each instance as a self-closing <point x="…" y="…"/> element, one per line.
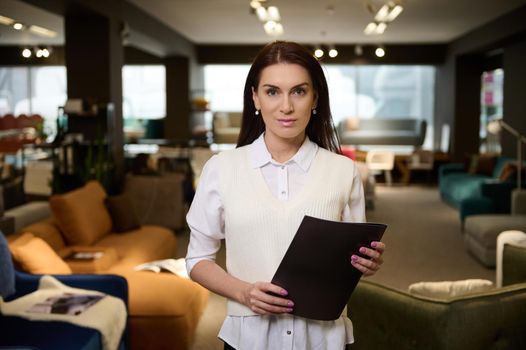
<point x="19" y="332"/>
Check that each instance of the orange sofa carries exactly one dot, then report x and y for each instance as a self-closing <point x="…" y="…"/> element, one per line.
<point x="164" y="308"/>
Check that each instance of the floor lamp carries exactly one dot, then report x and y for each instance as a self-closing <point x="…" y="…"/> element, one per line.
<point x="494" y="127"/>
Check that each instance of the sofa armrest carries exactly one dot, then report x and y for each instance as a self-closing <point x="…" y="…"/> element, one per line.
<point x="475" y="206"/>
<point x="449" y="168"/>
<point x="499" y="192"/>
<point x="518" y="202"/>
<point x="513" y="264"/>
<point x="110" y="284"/>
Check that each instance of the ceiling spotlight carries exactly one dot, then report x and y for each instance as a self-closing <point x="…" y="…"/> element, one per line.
<point x="388" y="12"/>
<point x="374" y="28"/>
<point x="39" y="53"/>
<point x="318" y="53"/>
<point x="273" y="14"/>
<point x="45" y="53"/>
<point x="370" y="29"/>
<point x="333" y="52"/>
<point x="255" y="4"/>
<point x="26" y="53"/>
<point x="358" y="50"/>
<point x="273" y="28"/>
<point x="18" y="26"/>
<point x="379" y="52"/>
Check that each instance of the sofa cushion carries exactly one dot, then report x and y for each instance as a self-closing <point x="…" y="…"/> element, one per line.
<point x="123" y="213"/>
<point x="81" y="214"/>
<point x="145" y="244"/>
<point x="449" y="289"/>
<point x="35" y="256"/>
<point x="483" y="164"/>
<point x="47" y="230"/>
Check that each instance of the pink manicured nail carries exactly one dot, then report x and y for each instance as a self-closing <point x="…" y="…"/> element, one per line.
<point x="289" y="310"/>
<point x="374" y="244"/>
<point x="290" y="303"/>
<point x="362" y="250"/>
<point x="354" y="258"/>
<point x="284" y="292"/>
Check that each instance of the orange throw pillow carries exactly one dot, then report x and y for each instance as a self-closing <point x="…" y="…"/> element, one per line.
<point x="34" y="255"/>
<point x="82" y="214"/>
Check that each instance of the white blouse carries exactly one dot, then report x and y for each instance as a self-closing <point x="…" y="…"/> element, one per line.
<point x="206" y="221"/>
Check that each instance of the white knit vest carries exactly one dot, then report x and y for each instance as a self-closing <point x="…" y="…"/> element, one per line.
<point x="259" y="227"/>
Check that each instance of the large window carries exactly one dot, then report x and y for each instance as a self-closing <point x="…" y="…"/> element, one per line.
<point x="144" y="92"/>
<point x="33" y="90"/>
<point x="364" y="91"/>
<point x="491" y="107"/>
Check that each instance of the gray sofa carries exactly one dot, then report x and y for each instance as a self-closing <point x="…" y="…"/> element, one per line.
<point x="377" y="131"/>
<point x="481" y="231"/>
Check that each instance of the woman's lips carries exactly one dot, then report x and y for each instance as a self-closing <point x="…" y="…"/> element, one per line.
<point x="286" y="122"/>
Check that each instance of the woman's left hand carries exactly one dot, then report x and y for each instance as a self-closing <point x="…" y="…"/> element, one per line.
<point x="366" y="266"/>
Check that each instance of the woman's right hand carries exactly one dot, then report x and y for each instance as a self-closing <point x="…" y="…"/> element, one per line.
<point x="263" y="298"/>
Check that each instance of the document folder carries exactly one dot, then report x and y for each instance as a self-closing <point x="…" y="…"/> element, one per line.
<point x="316" y="270"/>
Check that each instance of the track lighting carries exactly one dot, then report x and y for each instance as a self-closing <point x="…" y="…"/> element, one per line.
<point x="382" y="16"/>
<point x="269" y="15"/>
<point x="41" y="31"/>
<point x="40" y="52"/>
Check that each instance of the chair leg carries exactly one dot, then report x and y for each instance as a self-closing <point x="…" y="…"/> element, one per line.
<point x="388" y="178"/>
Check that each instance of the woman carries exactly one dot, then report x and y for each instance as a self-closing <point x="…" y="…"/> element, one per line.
<point x="285" y="166"/>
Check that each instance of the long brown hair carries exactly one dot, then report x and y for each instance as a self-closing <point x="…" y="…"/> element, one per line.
<point x="321" y="127"/>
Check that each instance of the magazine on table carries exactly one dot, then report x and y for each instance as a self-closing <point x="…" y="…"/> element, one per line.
<point x="175" y="266"/>
<point x="66" y="304"/>
<point x="84" y="255"/>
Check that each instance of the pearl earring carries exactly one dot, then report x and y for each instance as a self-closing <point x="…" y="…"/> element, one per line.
<point x="256" y="113"/>
<point x="314" y="111"/>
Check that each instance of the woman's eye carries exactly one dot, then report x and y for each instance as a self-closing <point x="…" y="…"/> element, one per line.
<point x="299" y="92"/>
<point x="272" y="92"/>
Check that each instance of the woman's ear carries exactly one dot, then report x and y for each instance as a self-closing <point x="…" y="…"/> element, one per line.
<point x="255" y="98"/>
<point x="315" y="102"/>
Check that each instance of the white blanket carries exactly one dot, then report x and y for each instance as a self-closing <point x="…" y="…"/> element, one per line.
<point x="108" y="315"/>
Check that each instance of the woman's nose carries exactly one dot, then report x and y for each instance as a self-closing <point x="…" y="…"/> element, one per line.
<point x="286" y="105"/>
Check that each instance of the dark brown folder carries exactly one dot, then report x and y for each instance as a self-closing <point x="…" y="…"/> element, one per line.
<point x="316" y="269"/>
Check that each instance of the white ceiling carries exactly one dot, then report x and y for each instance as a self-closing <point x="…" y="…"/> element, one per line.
<point x="306" y="21"/>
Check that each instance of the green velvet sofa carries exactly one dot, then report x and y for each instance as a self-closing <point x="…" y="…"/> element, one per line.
<point x="475" y="193"/>
<point x="385" y="318"/>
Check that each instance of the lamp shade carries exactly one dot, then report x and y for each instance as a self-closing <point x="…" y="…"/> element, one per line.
<point x="494" y="126"/>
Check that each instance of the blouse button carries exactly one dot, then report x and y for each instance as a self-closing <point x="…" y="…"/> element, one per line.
<point x="283" y="192"/>
<point x="289" y="332"/>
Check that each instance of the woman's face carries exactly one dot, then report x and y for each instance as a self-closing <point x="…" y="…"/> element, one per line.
<point x="285" y="97"/>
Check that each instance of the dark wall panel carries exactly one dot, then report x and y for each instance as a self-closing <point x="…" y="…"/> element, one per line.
<point x="514" y="95"/>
